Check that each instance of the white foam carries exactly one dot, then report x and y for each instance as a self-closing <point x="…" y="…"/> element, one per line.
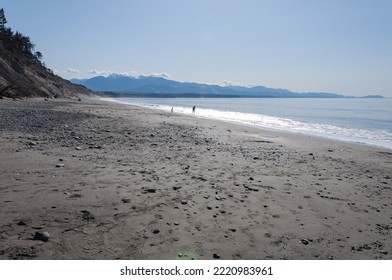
<point x="375" y="138"/>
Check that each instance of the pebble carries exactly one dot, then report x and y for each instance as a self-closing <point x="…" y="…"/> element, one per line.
<point x="216" y="256"/>
<point x="32" y="143"/>
<point x="184" y="201"/>
<point x="78" y="148"/>
<point x="151" y="190"/>
<point x="43" y="236"/>
<point x="87" y="215"/>
<point x="176" y="223"/>
<point x="304" y="241"/>
<point x="209" y="207"/>
<point x="217" y="197"/>
<point x="60" y="165"/>
<point x="155" y="231"/>
<point x="253" y="189"/>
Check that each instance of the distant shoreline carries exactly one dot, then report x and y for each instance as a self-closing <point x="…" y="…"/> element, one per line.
<point x="199" y="95"/>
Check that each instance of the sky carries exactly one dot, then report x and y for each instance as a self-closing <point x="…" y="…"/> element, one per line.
<point x="339" y="46"/>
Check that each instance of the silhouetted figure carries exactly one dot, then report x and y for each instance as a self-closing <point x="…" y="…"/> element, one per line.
<point x="193" y="109"/>
<point x="172" y="110"/>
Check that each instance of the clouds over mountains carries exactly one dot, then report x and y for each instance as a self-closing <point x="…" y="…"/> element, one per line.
<point x="105" y="73"/>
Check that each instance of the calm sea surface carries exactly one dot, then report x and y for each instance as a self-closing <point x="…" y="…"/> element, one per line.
<point x="367" y="121"/>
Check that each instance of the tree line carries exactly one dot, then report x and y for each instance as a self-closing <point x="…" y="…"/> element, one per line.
<point x="16" y="42"/>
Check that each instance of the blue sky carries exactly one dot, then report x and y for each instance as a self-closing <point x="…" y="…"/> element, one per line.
<point x="341" y="46"/>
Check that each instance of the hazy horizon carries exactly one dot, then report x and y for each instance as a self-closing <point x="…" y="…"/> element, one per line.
<point x="303" y="46"/>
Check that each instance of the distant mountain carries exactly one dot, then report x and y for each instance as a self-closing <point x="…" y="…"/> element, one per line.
<point x="157" y="86"/>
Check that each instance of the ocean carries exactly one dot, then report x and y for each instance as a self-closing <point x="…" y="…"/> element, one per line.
<point x="365" y="121"/>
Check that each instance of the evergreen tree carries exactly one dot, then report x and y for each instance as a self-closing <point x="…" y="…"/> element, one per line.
<point x="18" y="43"/>
<point x="3" y="20"/>
<point x="38" y="55"/>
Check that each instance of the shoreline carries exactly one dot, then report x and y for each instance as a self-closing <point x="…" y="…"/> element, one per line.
<point x="149" y="185"/>
<point x="282" y="130"/>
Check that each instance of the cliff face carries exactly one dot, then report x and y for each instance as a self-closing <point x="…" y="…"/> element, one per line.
<point x="24" y="77"/>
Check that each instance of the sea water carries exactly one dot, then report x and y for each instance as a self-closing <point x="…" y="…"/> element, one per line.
<point x="366" y="121"/>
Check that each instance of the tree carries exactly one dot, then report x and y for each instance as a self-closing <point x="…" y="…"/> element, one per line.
<point x="38" y="55"/>
<point x="3" y="20"/>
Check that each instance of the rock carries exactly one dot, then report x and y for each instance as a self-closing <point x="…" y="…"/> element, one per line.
<point x="61" y="159"/>
<point x="32" y="143"/>
<point x="151" y="190"/>
<point x="155" y="231"/>
<point x="209" y="207"/>
<point x="176" y="223"/>
<point x="184" y="201"/>
<point x="176" y="188"/>
<point x="251" y="178"/>
<point x="21" y="223"/>
<point x="126" y="200"/>
<point x="78" y="148"/>
<point x="87" y="215"/>
<point x="216" y="256"/>
<point x="217" y="197"/>
<point x="179" y="255"/>
<point x="60" y="165"/>
<point x="43" y="236"/>
<point x="304" y="241"/>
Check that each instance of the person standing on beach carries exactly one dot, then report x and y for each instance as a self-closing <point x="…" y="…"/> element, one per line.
<point x="193" y="109"/>
<point x="172" y="109"/>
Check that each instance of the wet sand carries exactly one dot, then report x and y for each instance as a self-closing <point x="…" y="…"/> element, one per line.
<point x="110" y="181"/>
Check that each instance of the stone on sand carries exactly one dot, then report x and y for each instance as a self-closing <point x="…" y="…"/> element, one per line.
<point x="43" y="236"/>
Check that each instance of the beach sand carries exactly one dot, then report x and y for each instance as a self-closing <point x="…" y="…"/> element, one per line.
<point x="134" y="183"/>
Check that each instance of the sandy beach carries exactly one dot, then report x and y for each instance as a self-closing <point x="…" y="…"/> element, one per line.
<point x="111" y="181"/>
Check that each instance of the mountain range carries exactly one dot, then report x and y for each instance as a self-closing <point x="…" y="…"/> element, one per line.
<point x="120" y="85"/>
